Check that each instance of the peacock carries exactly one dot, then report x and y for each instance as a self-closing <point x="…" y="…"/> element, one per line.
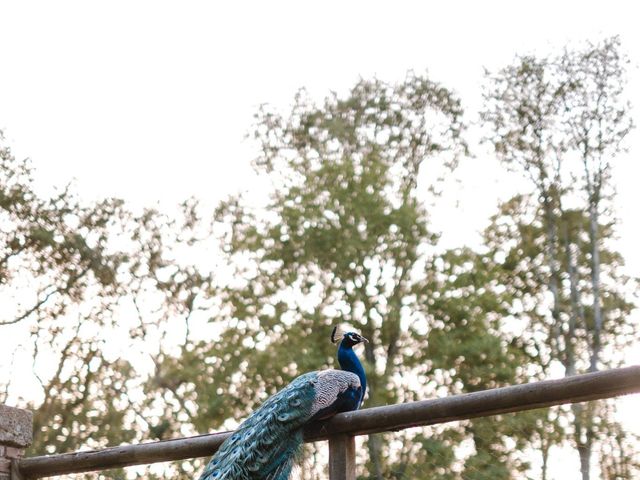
<point x="267" y="444"/>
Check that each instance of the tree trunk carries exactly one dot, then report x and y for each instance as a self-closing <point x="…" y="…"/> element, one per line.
<point x="545" y="459"/>
<point x="595" y="285"/>
<point x="375" y="454"/>
<point x="583" y="433"/>
<point x="552" y="260"/>
<point x="373" y="381"/>
<point x="584" y="450"/>
<point x="577" y="311"/>
<point x="584" y="439"/>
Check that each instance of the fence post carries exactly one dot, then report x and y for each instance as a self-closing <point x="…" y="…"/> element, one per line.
<point x="342" y="458"/>
<point x="16" y="434"/>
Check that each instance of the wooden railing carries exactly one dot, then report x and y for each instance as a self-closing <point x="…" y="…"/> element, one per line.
<point x="341" y="429"/>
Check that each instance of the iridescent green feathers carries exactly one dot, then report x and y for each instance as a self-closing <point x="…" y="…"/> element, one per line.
<point x="266" y="445"/>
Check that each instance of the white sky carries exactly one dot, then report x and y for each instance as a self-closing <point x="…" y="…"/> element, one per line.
<point x="150" y="100"/>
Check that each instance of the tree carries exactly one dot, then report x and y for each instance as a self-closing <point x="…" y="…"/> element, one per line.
<point x="341" y="241"/>
<point x="474" y="345"/>
<point x="516" y="237"/>
<point x="71" y="275"/>
<point x="345" y="239"/>
<point x="544" y="115"/>
<point x="54" y="245"/>
<point x="596" y="124"/>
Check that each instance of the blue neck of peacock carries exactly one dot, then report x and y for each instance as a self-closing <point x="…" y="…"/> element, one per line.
<point x="348" y="361"/>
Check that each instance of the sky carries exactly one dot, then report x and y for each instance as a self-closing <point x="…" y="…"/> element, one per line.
<point x="151" y="100"/>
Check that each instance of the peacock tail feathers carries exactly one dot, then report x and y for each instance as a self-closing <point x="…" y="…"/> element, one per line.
<point x="267" y="443"/>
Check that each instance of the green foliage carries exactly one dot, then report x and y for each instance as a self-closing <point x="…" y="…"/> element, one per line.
<point x="561" y="121"/>
<point x="427" y="455"/>
<point x="340" y="242"/>
<point x="57" y="245"/>
<point x="66" y="270"/>
<point x="344" y="241"/>
<point x="344" y="238"/>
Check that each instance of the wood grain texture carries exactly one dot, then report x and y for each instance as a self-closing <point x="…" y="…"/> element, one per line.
<point x="580" y="388"/>
<point x="126" y="455"/>
<point x="342" y="457"/>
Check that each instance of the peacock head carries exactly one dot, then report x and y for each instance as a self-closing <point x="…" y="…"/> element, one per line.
<point x="347" y="339"/>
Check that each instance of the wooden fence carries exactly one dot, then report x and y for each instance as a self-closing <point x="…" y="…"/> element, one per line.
<point x="341" y="429"/>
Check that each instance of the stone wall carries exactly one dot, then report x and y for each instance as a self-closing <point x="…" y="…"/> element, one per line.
<point x="16" y="434"/>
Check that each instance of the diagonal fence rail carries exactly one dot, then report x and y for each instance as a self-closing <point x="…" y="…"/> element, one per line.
<point x="341" y="429"/>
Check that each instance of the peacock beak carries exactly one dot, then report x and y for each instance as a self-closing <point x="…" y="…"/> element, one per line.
<point x="364" y="339"/>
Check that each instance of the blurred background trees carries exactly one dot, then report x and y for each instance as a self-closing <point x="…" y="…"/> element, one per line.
<point x="216" y="310"/>
<point x="561" y="122"/>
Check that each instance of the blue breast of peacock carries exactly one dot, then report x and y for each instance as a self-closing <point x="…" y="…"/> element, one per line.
<point x="268" y="443"/>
